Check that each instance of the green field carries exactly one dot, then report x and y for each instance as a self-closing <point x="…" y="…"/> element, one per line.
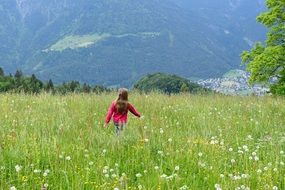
<point x="183" y="142"/>
<point x="75" y="41"/>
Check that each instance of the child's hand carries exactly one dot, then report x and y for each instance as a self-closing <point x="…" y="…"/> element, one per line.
<point x="105" y="125"/>
<point x="142" y="117"/>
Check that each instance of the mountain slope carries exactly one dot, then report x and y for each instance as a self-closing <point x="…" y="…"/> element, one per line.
<point x="115" y="42"/>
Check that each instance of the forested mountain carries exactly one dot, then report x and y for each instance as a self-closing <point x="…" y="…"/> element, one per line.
<point x="115" y="42"/>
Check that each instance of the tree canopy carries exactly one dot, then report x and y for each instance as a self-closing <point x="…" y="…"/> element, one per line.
<point x="266" y="62"/>
<point x="32" y="85"/>
<point x="167" y="83"/>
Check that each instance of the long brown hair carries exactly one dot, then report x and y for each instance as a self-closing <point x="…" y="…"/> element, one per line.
<point x="122" y="100"/>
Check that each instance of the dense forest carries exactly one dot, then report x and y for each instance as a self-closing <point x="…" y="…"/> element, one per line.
<point x="164" y="83"/>
<point x="169" y="84"/>
<point x="19" y="83"/>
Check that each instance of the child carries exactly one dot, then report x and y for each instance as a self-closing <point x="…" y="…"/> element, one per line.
<point x="119" y="111"/>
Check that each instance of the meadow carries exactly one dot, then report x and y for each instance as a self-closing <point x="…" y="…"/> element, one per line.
<point x="182" y="142"/>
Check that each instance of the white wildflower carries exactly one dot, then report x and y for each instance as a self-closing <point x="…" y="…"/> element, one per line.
<point x="138" y="175"/>
<point x="91" y="163"/>
<point x="105" y="171"/>
<point x="184" y="187"/>
<point x="217" y="186"/>
<point x="37" y="171"/>
<point x="18" y="168"/>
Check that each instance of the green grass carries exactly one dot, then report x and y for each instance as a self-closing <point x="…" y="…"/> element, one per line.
<point x="75" y="41"/>
<point x="183" y="140"/>
<point x="84" y="41"/>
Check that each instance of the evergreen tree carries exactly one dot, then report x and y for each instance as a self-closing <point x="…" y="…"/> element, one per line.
<point x="86" y="88"/>
<point x="35" y="85"/>
<point x="2" y="74"/>
<point x="18" y="75"/>
<point x="74" y="86"/>
<point x="49" y="86"/>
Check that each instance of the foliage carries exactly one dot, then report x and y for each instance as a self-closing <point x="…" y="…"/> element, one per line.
<point x="32" y="85"/>
<point x="183" y="142"/>
<point x="267" y="62"/>
<point x="167" y="83"/>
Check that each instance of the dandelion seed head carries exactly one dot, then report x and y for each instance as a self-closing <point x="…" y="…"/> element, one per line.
<point x="138" y="175"/>
<point x="91" y="163"/>
<point x="18" y="168"/>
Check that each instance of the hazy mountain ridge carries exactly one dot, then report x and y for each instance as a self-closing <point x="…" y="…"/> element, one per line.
<point x="196" y="38"/>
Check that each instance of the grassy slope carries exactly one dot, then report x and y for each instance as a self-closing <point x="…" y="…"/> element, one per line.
<point x="40" y="132"/>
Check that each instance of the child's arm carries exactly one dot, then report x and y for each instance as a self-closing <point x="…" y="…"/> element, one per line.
<point x="134" y="111"/>
<point x="109" y="114"/>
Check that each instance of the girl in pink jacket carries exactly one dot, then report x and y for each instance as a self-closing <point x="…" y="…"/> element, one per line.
<point x="119" y="111"/>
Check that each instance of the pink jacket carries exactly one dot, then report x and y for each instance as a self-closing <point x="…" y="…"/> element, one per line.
<point x="118" y="117"/>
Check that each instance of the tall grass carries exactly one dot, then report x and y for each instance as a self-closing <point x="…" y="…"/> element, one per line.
<point x="183" y="142"/>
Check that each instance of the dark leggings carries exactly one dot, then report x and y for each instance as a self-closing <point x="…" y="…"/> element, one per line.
<point x="119" y="127"/>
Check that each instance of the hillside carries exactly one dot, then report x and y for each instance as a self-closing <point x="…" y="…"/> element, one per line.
<point x="115" y="42"/>
<point x="234" y="82"/>
<point x="166" y="83"/>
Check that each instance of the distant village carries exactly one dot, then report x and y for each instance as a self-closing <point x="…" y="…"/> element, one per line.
<point x="234" y="82"/>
